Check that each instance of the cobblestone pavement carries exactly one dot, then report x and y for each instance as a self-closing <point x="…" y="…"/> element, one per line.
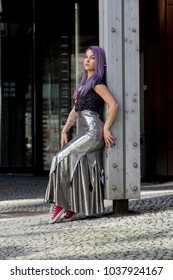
<point x="146" y="232"/>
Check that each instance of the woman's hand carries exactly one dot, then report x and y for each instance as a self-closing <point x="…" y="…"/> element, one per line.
<point x="108" y="137"/>
<point x="64" y="139"/>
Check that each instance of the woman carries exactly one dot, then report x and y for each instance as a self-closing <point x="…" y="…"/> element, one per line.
<point x="75" y="182"/>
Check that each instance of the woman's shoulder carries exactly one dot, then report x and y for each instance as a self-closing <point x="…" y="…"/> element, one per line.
<point x="100" y="81"/>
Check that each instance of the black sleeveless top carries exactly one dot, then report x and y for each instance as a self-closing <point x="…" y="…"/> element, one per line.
<point x="90" y="101"/>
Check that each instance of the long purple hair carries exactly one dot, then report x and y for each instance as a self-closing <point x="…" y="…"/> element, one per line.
<point x="99" y="74"/>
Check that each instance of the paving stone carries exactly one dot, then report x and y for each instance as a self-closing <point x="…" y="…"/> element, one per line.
<point x="143" y="233"/>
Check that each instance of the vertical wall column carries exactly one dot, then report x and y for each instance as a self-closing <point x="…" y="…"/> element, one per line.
<point x="119" y="36"/>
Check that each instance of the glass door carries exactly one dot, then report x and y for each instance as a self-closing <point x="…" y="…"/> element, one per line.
<point x="42" y="44"/>
<point x="61" y="38"/>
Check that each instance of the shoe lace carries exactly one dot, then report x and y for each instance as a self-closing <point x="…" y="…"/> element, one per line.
<point x="54" y="211"/>
<point x="69" y="214"/>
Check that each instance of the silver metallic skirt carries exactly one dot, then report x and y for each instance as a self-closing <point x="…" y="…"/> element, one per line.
<point x="75" y="180"/>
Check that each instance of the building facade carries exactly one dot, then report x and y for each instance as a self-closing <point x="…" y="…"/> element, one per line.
<point x="42" y="44"/>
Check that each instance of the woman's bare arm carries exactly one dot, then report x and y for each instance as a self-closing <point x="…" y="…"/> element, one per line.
<point x="109" y="99"/>
<point x="72" y="117"/>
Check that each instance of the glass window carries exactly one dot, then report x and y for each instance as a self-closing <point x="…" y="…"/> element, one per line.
<point x="16" y="95"/>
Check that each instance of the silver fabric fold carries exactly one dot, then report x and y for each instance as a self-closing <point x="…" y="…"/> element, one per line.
<point x="75" y="181"/>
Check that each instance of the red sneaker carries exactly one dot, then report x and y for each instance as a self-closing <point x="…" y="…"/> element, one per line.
<point x="69" y="215"/>
<point x="57" y="213"/>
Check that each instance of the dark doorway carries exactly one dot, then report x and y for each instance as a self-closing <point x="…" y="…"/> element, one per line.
<point x="156" y="31"/>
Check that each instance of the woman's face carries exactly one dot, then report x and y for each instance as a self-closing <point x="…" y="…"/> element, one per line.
<point x="89" y="62"/>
